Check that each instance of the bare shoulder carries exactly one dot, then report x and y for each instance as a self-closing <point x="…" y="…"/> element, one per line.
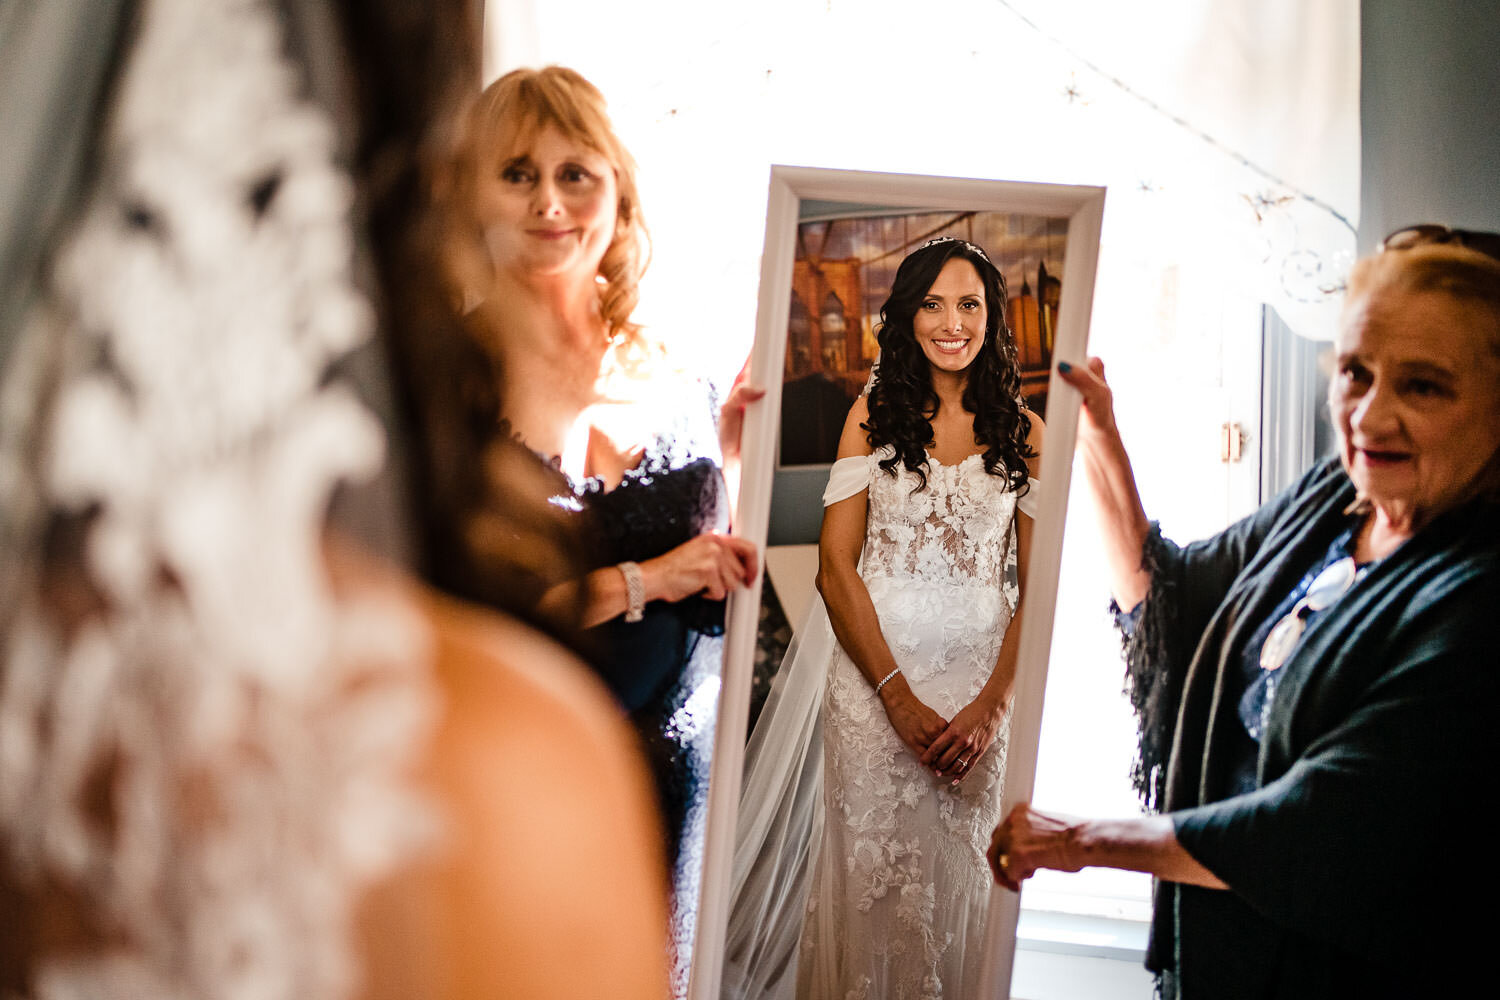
<point x="1034" y="442"/>
<point x="526" y="718"/>
<point x="855" y="440"/>
<point x="482" y="654"/>
<point x="550" y="831"/>
<point x="490" y="668"/>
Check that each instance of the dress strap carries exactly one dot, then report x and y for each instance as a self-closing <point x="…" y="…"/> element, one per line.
<point x="847" y="477"/>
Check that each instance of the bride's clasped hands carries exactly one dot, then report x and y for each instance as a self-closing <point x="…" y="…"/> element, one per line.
<point x="949" y="748"/>
<point x="974" y="728"/>
<point x="914" y="721"/>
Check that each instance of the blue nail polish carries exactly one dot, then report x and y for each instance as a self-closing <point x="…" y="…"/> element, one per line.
<point x="1064" y="367"/>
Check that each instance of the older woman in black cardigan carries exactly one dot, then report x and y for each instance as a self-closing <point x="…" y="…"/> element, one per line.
<point x="1317" y="684"/>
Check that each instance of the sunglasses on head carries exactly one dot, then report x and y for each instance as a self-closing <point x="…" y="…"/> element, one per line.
<point x="1416" y="236"/>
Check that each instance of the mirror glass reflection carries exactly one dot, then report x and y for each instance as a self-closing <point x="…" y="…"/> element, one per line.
<point x="849" y="254"/>
<point x="860" y="842"/>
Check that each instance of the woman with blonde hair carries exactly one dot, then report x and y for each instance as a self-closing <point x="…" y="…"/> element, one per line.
<point x="552" y="277"/>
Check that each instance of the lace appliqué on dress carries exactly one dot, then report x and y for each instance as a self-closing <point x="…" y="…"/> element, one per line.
<point x="208" y="760"/>
<point x="899" y="905"/>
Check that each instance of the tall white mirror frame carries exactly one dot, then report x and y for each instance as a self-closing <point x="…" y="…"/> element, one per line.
<point x="1083" y="207"/>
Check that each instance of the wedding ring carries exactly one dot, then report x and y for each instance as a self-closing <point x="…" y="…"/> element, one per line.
<point x="962" y="762"/>
<point x="1003" y="861"/>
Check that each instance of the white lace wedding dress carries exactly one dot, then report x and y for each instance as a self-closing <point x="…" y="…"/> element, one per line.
<point x="888" y="858"/>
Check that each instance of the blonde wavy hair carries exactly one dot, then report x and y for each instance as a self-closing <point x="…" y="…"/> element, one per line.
<point x="507" y="118"/>
<point x="1464" y="275"/>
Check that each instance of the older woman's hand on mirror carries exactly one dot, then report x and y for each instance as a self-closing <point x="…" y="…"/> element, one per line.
<point x="1097" y="414"/>
<point x="712" y="564"/>
<point x="1027" y="840"/>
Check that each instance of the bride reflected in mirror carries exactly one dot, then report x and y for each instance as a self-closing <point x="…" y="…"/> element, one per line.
<point x="876" y="770"/>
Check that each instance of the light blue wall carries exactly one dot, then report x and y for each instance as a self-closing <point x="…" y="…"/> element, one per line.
<point x="1430" y="115"/>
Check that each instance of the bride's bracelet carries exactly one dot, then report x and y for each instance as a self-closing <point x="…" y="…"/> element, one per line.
<point x="886" y="679"/>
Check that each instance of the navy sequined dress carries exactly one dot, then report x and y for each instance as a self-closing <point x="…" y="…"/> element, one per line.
<point x="665" y="669"/>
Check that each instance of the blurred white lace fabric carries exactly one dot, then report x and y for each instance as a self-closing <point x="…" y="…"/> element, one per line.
<point x="210" y="761"/>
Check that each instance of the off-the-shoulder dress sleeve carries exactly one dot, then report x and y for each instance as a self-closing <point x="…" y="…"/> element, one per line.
<point x="847" y="477"/>
<point x="1030" y="502"/>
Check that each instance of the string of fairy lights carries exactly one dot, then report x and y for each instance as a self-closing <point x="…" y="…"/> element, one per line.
<point x="1259" y="202"/>
<point x="1305" y="275"/>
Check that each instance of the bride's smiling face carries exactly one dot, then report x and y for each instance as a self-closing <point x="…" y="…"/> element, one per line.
<point x="950" y="321"/>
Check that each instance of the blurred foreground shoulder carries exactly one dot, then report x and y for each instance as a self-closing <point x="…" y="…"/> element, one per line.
<point x="549" y="879"/>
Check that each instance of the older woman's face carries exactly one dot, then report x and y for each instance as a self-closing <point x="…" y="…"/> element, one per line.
<point x="549" y="210"/>
<point x="1416" y="399"/>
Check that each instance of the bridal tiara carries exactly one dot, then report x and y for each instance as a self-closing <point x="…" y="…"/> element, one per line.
<point x="954" y="239"/>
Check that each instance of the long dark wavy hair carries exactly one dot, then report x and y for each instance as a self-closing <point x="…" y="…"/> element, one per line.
<point x="486" y="529"/>
<point x="902" y="401"/>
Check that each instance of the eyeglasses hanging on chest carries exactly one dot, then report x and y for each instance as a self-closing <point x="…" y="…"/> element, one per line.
<point x="1326" y="588"/>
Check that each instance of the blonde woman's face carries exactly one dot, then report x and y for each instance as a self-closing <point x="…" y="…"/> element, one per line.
<point x="549" y="210"/>
<point x="1416" y="399"/>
